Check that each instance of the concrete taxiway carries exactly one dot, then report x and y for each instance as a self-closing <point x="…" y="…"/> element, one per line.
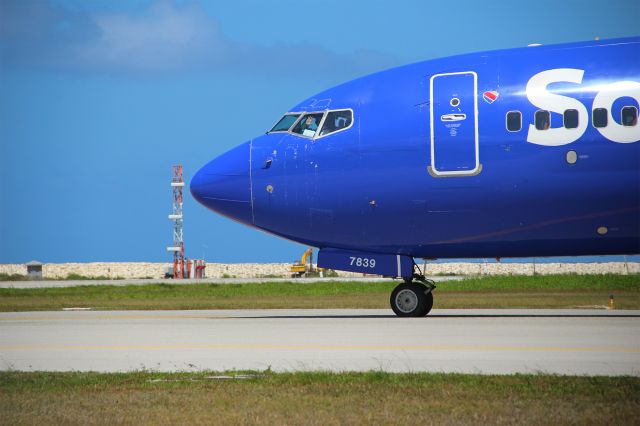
<point x="582" y="342"/>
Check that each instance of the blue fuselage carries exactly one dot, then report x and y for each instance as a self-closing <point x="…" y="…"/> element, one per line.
<point x="429" y="169"/>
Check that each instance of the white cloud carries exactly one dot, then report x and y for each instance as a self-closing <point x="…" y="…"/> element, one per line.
<point x="165" y="37"/>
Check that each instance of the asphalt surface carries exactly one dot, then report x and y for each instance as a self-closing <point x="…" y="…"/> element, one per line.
<point x="576" y="342"/>
<point x="76" y="283"/>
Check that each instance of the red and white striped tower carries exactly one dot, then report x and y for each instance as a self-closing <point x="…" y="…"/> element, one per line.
<point x="176" y="216"/>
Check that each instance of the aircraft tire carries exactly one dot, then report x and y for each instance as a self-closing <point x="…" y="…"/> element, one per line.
<point x="411" y="300"/>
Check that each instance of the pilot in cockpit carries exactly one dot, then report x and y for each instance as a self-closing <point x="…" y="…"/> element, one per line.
<point x="309" y="126"/>
<point x="310" y="123"/>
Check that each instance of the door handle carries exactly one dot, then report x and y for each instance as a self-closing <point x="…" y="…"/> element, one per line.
<point x="453" y="117"/>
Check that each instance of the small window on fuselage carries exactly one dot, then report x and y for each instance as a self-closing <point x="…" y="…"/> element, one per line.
<point x="285" y="123"/>
<point x="543" y="119"/>
<point x="629" y="116"/>
<point x="600" y="117"/>
<point x="336" y="121"/>
<point x="308" y="124"/>
<point x="570" y="118"/>
<point x="514" y="121"/>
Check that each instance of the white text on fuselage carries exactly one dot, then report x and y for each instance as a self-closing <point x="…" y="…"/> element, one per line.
<point x="606" y="95"/>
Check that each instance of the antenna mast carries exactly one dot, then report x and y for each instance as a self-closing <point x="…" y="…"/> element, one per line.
<point x="178" y="244"/>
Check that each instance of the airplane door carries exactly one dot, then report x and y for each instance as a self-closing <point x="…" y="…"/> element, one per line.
<point x="454" y="124"/>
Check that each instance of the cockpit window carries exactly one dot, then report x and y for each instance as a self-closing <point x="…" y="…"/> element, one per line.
<point x="336" y="121"/>
<point x="308" y="124"/>
<point x="314" y="124"/>
<point x="285" y="123"/>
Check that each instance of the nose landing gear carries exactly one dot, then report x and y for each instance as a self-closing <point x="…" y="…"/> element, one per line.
<point x="414" y="297"/>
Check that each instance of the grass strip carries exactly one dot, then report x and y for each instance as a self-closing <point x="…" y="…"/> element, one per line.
<point x="315" y="398"/>
<point x="552" y="291"/>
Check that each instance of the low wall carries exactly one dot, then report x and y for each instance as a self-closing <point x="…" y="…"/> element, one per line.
<point x="259" y="270"/>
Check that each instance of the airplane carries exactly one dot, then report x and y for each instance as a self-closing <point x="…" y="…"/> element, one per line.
<point x="524" y="152"/>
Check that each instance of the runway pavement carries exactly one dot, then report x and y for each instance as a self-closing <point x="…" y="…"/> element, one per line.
<point x="582" y="342"/>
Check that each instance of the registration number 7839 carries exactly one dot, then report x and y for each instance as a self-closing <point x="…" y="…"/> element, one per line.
<point x="362" y="261"/>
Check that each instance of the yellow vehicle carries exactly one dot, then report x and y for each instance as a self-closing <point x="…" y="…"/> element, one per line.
<point x="301" y="269"/>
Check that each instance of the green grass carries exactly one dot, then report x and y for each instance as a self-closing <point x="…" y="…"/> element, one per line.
<point x="12" y="277"/>
<point x="77" y="277"/>
<point x="70" y="277"/>
<point x="553" y="291"/>
<point x="548" y="282"/>
<point x="315" y="398"/>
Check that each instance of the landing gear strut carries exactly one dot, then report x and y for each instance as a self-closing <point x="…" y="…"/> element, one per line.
<point x="414" y="297"/>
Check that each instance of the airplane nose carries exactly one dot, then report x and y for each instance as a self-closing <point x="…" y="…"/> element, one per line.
<point x="223" y="184"/>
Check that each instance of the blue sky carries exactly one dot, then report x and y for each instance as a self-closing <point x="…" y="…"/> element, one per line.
<point x="98" y="98"/>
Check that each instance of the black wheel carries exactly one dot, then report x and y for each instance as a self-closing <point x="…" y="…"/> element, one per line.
<point x="411" y="300"/>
